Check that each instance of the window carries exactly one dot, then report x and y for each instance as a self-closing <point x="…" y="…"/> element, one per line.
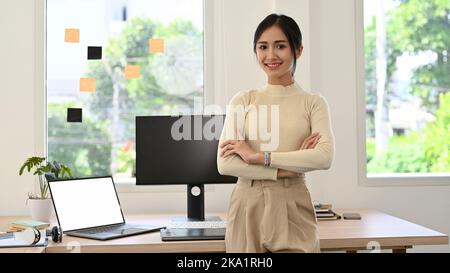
<point x="407" y="84"/>
<point x="114" y="60"/>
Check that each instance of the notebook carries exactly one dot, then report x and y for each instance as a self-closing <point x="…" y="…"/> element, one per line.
<point x="9" y="240"/>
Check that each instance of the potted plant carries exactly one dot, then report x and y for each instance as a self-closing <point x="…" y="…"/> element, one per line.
<point x="41" y="206"/>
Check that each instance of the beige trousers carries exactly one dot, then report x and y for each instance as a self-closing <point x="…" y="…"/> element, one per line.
<point x="271" y="216"/>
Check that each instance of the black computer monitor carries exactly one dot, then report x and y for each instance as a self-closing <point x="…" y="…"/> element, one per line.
<point x="180" y="150"/>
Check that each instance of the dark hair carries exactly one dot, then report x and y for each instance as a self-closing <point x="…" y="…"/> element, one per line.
<point x="289" y="28"/>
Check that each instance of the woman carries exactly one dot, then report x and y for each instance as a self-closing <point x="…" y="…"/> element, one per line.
<point x="271" y="137"/>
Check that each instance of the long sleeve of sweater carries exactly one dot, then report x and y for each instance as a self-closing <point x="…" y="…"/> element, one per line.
<point x="321" y="157"/>
<point x="234" y="165"/>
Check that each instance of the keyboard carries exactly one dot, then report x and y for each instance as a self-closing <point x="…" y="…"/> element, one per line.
<point x="113" y="229"/>
<point x="189" y="234"/>
<point x="198" y="224"/>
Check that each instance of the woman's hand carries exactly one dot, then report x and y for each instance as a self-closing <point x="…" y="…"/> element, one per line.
<point x="286" y="174"/>
<point x="310" y="142"/>
<point x="249" y="156"/>
<point x="242" y="149"/>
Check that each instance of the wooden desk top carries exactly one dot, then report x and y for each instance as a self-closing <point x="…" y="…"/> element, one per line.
<point x="375" y="228"/>
<point x="385" y="230"/>
<point x="150" y="242"/>
<point x="23" y="250"/>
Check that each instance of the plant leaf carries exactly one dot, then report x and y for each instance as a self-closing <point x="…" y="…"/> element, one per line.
<point x="50" y="176"/>
<point x="30" y="163"/>
<point x="66" y="172"/>
<point x="46" y="168"/>
<point x="22" y="169"/>
<point x="57" y="166"/>
<point x="51" y="167"/>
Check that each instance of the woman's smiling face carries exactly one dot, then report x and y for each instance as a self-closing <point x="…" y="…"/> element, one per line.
<point x="275" y="56"/>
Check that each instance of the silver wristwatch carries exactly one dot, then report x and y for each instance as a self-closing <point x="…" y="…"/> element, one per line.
<point x="267" y="159"/>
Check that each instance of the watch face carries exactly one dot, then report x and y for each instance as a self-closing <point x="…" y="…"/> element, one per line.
<point x="266" y="158"/>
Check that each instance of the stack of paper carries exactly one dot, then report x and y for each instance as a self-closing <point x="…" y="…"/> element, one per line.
<point x="23" y="224"/>
<point x="325" y="212"/>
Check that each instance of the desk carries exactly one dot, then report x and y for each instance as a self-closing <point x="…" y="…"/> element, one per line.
<point x="23" y="250"/>
<point x="375" y="229"/>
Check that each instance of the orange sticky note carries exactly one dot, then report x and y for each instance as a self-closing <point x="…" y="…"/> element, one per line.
<point x="156" y="45"/>
<point x="72" y="35"/>
<point x="87" y="84"/>
<point x="132" y="72"/>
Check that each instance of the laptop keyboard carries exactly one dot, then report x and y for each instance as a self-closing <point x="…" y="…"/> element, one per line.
<point x="117" y="230"/>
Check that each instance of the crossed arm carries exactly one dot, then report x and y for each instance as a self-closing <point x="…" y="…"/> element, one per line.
<point x="249" y="156"/>
<point x="237" y="158"/>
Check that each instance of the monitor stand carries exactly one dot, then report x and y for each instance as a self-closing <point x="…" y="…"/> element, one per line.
<point x="196" y="205"/>
<point x="196" y="212"/>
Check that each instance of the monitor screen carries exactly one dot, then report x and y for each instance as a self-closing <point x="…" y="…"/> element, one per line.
<point x="178" y="150"/>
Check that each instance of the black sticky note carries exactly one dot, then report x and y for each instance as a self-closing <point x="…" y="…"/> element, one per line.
<point x="74" y="115"/>
<point x="94" y="52"/>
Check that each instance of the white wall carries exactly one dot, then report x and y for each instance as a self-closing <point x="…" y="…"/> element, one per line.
<point x="328" y="67"/>
<point x="17" y="103"/>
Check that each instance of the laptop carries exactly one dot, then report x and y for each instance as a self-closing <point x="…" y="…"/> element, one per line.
<point x="90" y="208"/>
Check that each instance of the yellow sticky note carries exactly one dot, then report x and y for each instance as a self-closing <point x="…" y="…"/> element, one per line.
<point x="156" y="45"/>
<point x="132" y="72"/>
<point x="87" y="84"/>
<point x="72" y="35"/>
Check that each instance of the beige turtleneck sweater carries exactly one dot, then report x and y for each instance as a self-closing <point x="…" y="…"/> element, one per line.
<point x="278" y="119"/>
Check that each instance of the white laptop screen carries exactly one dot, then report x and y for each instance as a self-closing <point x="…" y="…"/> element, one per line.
<point x="85" y="203"/>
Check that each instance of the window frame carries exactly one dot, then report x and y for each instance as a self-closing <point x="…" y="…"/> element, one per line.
<point x="123" y="185"/>
<point x="379" y="180"/>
